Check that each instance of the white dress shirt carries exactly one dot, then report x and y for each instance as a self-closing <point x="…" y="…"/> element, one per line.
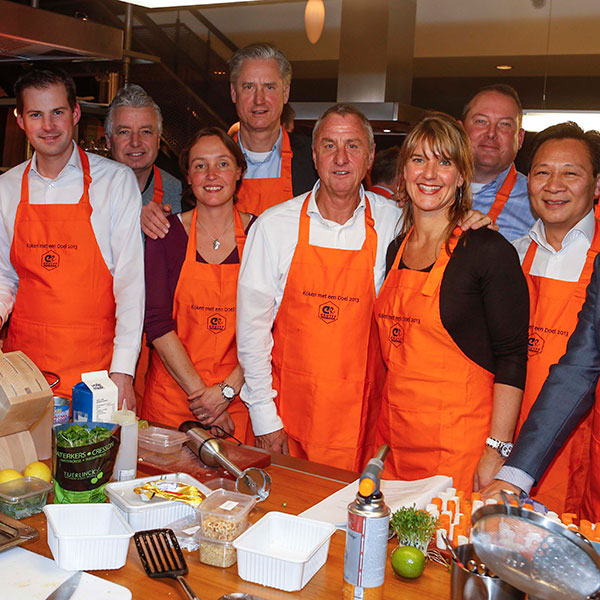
<point x="565" y="264"/>
<point x="116" y="202"/>
<point x="266" y="261"/>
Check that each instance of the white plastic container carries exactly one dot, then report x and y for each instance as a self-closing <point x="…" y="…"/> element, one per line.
<point x="155" y="513"/>
<point x="87" y="536"/>
<point x="161" y="440"/>
<point x="283" y="551"/>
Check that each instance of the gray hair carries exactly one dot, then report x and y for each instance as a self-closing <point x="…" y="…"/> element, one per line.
<point x="343" y="110"/>
<point x="260" y="51"/>
<point x="133" y="96"/>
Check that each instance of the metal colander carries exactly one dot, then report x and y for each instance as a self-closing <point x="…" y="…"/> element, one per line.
<point x="535" y="554"/>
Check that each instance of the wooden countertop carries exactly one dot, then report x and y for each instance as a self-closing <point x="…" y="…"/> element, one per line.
<point x="297" y="485"/>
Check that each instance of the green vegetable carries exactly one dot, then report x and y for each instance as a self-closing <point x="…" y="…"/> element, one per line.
<point x="80" y="435"/>
<point x="414" y="527"/>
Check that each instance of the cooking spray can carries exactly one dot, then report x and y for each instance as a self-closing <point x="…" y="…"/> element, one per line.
<point x="367" y="535"/>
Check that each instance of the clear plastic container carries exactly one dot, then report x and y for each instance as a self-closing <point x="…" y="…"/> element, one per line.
<point x="156" y="513"/>
<point x="220" y="483"/>
<point x="224" y="515"/>
<point x="283" y="551"/>
<point x="161" y="440"/>
<point x="23" y="497"/>
<point x="87" y="537"/>
<point x="216" y="553"/>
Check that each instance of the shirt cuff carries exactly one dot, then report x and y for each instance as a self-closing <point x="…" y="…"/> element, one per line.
<point x="516" y="477"/>
<point x="124" y="360"/>
<point x="264" y="417"/>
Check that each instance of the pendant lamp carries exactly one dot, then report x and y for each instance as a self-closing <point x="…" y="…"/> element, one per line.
<point x="314" y="20"/>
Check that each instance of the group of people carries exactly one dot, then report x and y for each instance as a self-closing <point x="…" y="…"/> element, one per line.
<point x="303" y="314"/>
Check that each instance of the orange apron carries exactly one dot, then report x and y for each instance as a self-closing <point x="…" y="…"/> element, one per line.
<point x="437" y="403"/>
<point x="590" y="503"/>
<point x="256" y="195"/>
<point x="141" y="371"/>
<point x="377" y="189"/>
<point x="64" y="313"/>
<point x="325" y="350"/>
<point x="503" y="194"/>
<point x="553" y="317"/>
<point x="204" y="314"/>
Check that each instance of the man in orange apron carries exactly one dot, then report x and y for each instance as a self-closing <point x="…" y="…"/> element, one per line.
<point x="492" y="119"/>
<point x="133" y="127"/>
<point x="309" y="275"/>
<point x="71" y="257"/>
<point x="279" y="163"/>
<point x="385" y="176"/>
<point x="558" y="258"/>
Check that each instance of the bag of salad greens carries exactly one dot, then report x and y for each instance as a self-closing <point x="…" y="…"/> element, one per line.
<point x="84" y="456"/>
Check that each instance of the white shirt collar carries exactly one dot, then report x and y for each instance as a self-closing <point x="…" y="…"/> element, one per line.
<point x="74" y="162"/>
<point x="585" y="227"/>
<point x="314" y="209"/>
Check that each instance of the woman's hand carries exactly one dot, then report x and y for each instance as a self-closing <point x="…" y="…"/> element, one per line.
<point x="489" y="464"/>
<point x="208" y="404"/>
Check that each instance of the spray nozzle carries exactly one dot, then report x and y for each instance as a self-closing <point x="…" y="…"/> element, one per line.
<point x="369" y="480"/>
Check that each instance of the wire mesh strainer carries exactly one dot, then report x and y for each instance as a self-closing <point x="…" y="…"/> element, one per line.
<point x="535" y="554"/>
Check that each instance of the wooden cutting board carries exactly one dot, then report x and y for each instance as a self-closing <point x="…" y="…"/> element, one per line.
<point x="25" y="575"/>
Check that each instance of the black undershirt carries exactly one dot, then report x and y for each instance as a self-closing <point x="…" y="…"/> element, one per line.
<point x="484" y="303"/>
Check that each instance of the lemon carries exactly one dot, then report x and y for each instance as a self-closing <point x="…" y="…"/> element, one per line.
<point x="39" y="470"/>
<point x="9" y="475"/>
<point x="408" y="562"/>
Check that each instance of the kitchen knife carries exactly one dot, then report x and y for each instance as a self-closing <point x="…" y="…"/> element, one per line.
<point x="66" y="589"/>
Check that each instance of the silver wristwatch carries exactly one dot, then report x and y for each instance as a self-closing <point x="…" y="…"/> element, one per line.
<point x="227" y="391"/>
<point x="503" y="448"/>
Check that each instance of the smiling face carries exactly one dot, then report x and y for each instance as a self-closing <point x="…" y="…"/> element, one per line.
<point x="49" y="122"/>
<point x="212" y="172"/>
<point x="562" y="185"/>
<point x="492" y="125"/>
<point x="135" y="138"/>
<point x="431" y="180"/>
<point x="341" y="154"/>
<point x="259" y="94"/>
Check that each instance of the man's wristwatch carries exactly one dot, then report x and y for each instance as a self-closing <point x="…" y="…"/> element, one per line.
<point x="227" y="391"/>
<point x="503" y="448"/>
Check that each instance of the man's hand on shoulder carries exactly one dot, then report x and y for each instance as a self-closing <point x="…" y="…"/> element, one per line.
<point x="477" y="220"/>
<point x="154" y="220"/>
<point x="277" y="441"/>
<point x="126" y="394"/>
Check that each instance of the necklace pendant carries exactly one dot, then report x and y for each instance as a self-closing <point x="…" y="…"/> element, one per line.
<point x="216" y="245"/>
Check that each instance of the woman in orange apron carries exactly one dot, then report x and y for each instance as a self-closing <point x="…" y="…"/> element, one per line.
<point x="194" y="373"/>
<point x="443" y="405"/>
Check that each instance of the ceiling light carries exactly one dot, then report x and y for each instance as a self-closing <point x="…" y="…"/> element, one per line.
<point x="504" y="67"/>
<point x="537" y="119"/>
<point x="314" y="20"/>
<point x="387" y="131"/>
<point x="177" y="3"/>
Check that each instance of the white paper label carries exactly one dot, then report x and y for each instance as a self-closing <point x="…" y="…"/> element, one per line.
<point x="191" y="530"/>
<point x="228" y="505"/>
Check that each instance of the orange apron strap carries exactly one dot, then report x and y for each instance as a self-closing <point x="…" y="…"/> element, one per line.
<point x="158" y="193"/>
<point x="436" y="274"/>
<point x="503" y="194"/>
<point x="286" y="162"/>
<point x="529" y="256"/>
<point x="240" y="234"/>
<point x="588" y="267"/>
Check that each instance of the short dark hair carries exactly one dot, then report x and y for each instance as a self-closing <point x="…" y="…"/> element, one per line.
<point x="43" y="78"/>
<point x="499" y="88"/>
<point x="229" y="143"/>
<point x="570" y="131"/>
<point x="385" y="165"/>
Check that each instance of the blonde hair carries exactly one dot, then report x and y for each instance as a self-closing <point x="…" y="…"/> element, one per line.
<point x="446" y="138"/>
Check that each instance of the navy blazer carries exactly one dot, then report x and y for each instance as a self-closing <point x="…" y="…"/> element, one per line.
<point x="568" y="393"/>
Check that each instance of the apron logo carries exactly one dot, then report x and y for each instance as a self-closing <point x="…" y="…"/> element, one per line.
<point x="328" y="312"/>
<point x="396" y="334"/>
<point x="50" y="260"/>
<point x="535" y="344"/>
<point x="216" y="323"/>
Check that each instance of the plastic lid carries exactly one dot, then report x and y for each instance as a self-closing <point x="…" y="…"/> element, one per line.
<point x="20" y="489"/>
<point x="124" y="417"/>
<point x="161" y="437"/>
<point x="227" y="505"/>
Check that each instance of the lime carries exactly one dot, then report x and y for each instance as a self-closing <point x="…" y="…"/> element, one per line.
<point x="9" y="475"/>
<point x="408" y="562"/>
<point x="39" y="470"/>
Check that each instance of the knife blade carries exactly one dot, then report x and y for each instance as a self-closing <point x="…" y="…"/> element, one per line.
<point x="66" y="589"/>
